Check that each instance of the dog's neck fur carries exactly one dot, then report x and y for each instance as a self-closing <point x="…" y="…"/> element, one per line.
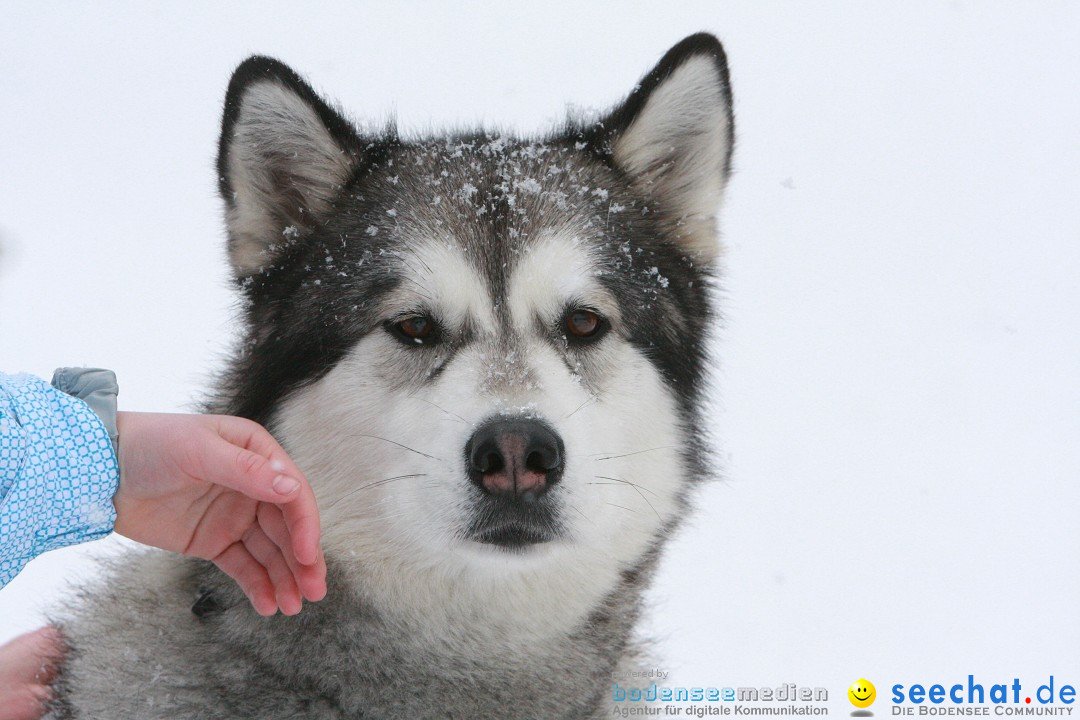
<point x="413" y="671"/>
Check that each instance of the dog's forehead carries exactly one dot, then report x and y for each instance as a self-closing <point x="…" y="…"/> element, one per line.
<point x="499" y="195"/>
<point x="491" y="215"/>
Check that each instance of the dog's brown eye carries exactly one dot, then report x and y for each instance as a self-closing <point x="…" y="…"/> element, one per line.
<point x="414" y="330"/>
<point x="417" y="328"/>
<point x="583" y="325"/>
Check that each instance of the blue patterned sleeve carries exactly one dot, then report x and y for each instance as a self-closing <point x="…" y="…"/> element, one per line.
<point x="58" y="472"/>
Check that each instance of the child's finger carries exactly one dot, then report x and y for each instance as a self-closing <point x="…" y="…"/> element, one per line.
<point x="302" y="518"/>
<point x="263" y="549"/>
<point x="245" y="471"/>
<point x="250" y="575"/>
<point x="26" y="703"/>
<point x="311" y="579"/>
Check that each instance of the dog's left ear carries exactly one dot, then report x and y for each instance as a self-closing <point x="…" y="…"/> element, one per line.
<point x="673" y="136"/>
<point x="284" y="157"/>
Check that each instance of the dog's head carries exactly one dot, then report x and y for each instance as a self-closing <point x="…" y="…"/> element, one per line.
<point x="485" y="351"/>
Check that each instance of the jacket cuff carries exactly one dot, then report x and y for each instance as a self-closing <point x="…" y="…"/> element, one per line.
<point x="98" y="389"/>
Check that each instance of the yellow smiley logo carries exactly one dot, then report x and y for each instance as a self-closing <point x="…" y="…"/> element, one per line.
<point x="862" y="693"/>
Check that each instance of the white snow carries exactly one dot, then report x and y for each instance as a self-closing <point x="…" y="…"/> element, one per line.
<point x="898" y="406"/>
<point x="530" y="186"/>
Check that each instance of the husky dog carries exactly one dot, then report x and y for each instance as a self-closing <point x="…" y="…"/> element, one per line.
<point x="488" y="355"/>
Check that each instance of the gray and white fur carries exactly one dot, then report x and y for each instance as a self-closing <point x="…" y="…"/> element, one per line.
<point x="488" y="355"/>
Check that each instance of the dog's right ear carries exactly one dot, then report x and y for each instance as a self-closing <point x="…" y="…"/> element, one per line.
<point x="283" y="158"/>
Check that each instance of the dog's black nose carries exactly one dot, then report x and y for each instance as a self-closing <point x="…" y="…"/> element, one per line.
<point x="519" y="458"/>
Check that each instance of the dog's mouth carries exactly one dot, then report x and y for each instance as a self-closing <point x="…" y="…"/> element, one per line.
<point x="514" y="525"/>
<point x="513" y="537"/>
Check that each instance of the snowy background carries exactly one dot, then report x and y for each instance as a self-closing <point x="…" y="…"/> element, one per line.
<point x="899" y="372"/>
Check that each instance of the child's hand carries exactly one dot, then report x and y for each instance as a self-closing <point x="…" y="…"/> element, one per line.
<point x="27" y="666"/>
<point x="221" y="488"/>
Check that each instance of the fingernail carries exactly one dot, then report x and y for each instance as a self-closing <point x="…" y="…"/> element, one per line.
<point x="283" y="484"/>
